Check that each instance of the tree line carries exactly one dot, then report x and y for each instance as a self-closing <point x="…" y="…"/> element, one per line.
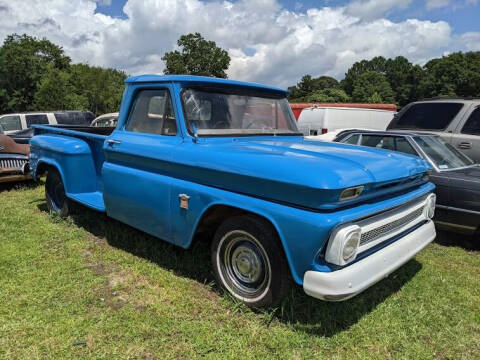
<point x="396" y="81"/>
<point x="36" y="74"/>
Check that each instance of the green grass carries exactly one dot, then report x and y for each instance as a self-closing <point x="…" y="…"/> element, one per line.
<point x="90" y="287"/>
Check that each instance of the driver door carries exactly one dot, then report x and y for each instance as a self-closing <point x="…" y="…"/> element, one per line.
<point x="137" y="168"/>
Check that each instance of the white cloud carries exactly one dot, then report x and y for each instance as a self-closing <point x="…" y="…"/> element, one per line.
<point x="104" y="2"/>
<point x="471" y="41"/>
<point x="452" y="4"/>
<point x="434" y="4"/>
<point x="266" y="42"/>
<point x="374" y="9"/>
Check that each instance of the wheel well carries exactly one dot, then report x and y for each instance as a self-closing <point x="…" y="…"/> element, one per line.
<point x="215" y="215"/>
<point x="42" y="168"/>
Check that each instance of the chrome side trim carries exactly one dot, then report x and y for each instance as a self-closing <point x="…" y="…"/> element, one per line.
<point x="444" y="223"/>
<point x="451" y="208"/>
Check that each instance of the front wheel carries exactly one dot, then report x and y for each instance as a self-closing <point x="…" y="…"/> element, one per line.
<point x="249" y="263"/>
<point x="57" y="201"/>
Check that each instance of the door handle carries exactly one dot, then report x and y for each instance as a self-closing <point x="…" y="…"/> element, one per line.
<point x="112" y="142"/>
<point x="465" y="145"/>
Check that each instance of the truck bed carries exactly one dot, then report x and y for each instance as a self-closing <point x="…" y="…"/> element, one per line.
<point x="94" y="137"/>
<point x="73" y="130"/>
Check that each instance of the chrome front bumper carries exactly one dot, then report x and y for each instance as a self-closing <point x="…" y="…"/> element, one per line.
<point x="347" y="282"/>
<point x="10" y="178"/>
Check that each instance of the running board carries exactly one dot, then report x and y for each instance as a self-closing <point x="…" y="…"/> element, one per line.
<point x="92" y="200"/>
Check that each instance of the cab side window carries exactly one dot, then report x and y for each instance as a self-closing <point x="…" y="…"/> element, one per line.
<point x="153" y="113"/>
<point x="11" y="123"/>
<point x="373" y="141"/>
<point x="472" y="126"/>
<point x="352" y="140"/>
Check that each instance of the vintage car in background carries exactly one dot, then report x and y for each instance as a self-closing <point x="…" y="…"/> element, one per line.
<point x="14" y="163"/>
<point x="456" y="176"/>
<point x="20" y="121"/>
<point x="194" y="155"/>
<point x="105" y="120"/>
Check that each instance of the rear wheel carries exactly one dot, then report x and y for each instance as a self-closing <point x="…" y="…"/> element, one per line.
<point x="249" y="263"/>
<point x="57" y="201"/>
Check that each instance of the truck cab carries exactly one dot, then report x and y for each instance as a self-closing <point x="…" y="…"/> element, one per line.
<point x="192" y="155"/>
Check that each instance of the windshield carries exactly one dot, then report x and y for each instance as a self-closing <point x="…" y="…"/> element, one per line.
<point x="441" y="153"/>
<point x="216" y="113"/>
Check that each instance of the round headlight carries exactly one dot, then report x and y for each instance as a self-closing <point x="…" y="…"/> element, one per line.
<point x="430" y="206"/>
<point x="343" y="245"/>
<point x="351" y="246"/>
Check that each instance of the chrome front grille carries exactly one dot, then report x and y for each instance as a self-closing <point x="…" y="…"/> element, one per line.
<point x="383" y="230"/>
<point x="12" y="165"/>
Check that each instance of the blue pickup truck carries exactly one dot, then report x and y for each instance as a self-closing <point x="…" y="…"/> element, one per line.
<point x="193" y="155"/>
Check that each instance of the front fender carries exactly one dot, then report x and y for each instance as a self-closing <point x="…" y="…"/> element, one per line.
<point x="302" y="233"/>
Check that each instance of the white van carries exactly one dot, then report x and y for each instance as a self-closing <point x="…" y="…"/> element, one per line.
<point x="21" y="121"/>
<point x="316" y="121"/>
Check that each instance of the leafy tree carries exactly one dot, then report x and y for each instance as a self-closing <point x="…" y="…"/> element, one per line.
<point x="56" y="91"/>
<point x="23" y="62"/>
<point x="372" y="86"/>
<point x="457" y="74"/>
<point x="326" y="82"/>
<point x="404" y="79"/>
<point x="197" y="57"/>
<point x="375" y="98"/>
<point x="357" y="69"/>
<point x="330" y="95"/>
<point x="102" y="88"/>
<point x="307" y="85"/>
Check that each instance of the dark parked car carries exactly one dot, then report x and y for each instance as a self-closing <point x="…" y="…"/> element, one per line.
<point x="456" y="176"/>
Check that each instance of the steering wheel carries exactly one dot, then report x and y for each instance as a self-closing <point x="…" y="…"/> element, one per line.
<point x="223" y="124"/>
<point x="263" y="124"/>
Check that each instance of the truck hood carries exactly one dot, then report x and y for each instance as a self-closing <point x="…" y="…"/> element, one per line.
<point x="300" y="172"/>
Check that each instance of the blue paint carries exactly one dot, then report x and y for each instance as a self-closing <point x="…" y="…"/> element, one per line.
<point x="293" y="183"/>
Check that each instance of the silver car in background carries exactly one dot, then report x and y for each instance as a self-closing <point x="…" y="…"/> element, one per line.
<point x="457" y="121"/>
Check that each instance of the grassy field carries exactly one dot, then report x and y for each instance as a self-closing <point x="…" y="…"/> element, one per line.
<point x="90" y="287"/>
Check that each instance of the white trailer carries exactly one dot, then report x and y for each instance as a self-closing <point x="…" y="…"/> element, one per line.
<point x="317" y="121"/>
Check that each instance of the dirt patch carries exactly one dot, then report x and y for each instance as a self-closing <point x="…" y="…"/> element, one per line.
<point x="97" y="241"/>
<point x="98" y="269"/>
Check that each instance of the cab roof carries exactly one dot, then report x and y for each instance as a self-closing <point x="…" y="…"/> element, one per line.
<point x="200" y="80"/>
<point x="389" y="132"/>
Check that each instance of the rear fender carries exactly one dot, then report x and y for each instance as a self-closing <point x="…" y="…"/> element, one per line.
<point x="72" y="158"/>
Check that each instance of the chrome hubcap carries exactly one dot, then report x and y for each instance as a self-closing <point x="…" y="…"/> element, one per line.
<point x="245" y="265"/>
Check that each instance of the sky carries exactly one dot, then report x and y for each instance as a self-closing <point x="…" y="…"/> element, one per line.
<point x="274" y="42"/>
